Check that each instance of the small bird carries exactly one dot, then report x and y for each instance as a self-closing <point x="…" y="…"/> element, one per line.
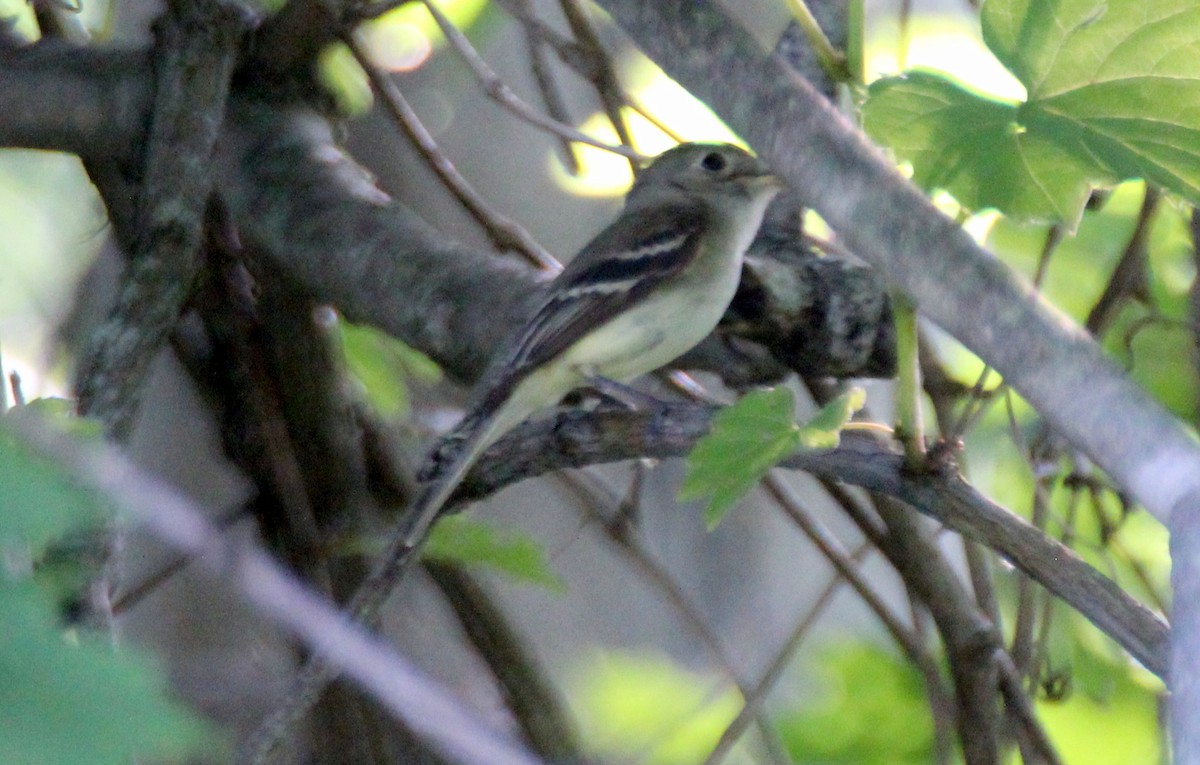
<point x="646" y="290"/>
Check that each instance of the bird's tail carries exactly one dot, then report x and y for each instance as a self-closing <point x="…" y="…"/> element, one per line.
<point x="443" y="472"/>
<point x="447" y="467"/>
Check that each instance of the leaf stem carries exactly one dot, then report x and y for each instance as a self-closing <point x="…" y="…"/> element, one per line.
<point x="910" y="427"/>
<point x="833" y="61"/>
<point x="856" y="35"/>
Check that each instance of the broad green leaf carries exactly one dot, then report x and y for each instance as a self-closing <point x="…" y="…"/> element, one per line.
<point x="464" y="540"/>
<point x="384" y="365"/>
<point x="751" y="437"/>
<point x="67" y="703"/>
<point x="61" y="698"/>
<point x="1113" y="92"/>
<point x="976" y="149"/>
<point x="746" y="440"/>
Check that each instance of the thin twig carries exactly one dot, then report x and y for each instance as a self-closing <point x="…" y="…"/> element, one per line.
<point x="539" y="64"/>
<point x="754" y="699"/>
<point x="603" y="75"/>
<point x="1021" y="646"/>
<point x="833" y="61"/>
<point x="528" y="693"/>
<point x="128" y="597"/>
<point x="1129" y="279"/>
<point x="837" y="555"/>
<point x="505" y="233"/>
<point x="622" y="535"/>
<point x="572" y="54"/>
<point x="969" y="638"/>
<point x="1020" y="708"/>
<point x="652" y="118"/>
<point x="1039" y="656"/>
<point x="499" y="91"/>
<point x="941" y="706"/>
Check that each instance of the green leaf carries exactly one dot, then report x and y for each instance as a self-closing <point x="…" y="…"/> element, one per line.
<point x="39" y="503"/>
<point x="464" y="540"/>
<point x="383" y="365"/>
<point x="976" y="149"/>
<point x="1113" y="93"/>
<point x="746" y="441"/>
<point x="824" y="430"/>
<point x="752" y="436"/>
<point x="61" y="700"/>
<point x="58" y="698"/>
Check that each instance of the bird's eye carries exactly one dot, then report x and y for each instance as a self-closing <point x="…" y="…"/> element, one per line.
<point x="714" y="162"/>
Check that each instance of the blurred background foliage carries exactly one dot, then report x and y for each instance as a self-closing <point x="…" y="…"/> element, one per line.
<point x="854" y="700"/>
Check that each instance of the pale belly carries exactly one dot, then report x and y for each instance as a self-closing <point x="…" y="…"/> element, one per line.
<point x="655" y="333"/>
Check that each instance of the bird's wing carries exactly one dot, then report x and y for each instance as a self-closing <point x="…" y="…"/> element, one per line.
<point x="624" y="263"/>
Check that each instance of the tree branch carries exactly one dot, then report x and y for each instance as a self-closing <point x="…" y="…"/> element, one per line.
<point x="528" y="692"/>
<point x="576" y="438"/>
<point x="196" y="49"/>
<point x="61" y="97"/>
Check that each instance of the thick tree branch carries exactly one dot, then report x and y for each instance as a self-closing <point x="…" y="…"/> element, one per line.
<point x="576" y="438"/>
<point x="84" y="101"/>
<point x="197" y="46"/>
<point x="303" y="203"/>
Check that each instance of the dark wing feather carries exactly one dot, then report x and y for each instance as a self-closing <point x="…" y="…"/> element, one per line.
<point x="622" y="265"/>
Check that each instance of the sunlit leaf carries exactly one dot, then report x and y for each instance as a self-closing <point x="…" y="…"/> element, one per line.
<point x="473" y="542"/>
<point x="752" y="436"/>
<point x="746" y="440"/>
<point x="461" y="13"/>
<point x="399" y="40"/>
<point x="1113" y="93"/>
<point x="384" y="365"/>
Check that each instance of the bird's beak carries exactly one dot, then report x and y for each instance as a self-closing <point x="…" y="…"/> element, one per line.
<point x="770" y="180"/>
<point x="762" y="182"/>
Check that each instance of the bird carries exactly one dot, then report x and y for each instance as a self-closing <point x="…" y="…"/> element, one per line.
<point x="641" y="293"/>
